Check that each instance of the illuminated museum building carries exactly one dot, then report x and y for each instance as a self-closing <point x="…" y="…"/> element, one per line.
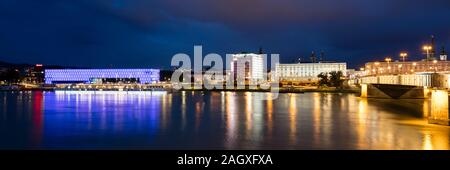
<point x="101" y="76"/>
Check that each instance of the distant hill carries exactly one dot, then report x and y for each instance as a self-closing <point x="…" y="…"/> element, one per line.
<point x="5" y="64"/>
<point x="13" y="65"/>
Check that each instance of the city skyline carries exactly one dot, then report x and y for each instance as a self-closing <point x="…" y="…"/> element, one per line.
<point x="224" y="83"/>
<point x="100" y="34"/>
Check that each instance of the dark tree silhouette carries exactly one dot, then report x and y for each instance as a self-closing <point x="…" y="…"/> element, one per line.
<point x="336" y="79"/>
<point x="332" y="79"/>
<point x="10" y="75"/>
<point x="323" y="79"/>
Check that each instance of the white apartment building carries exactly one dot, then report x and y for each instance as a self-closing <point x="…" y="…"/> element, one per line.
<point x="249" y="65"/>
<point x="306" y="72"/>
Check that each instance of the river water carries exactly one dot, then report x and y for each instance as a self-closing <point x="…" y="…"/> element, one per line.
<point x="214" y="120"/>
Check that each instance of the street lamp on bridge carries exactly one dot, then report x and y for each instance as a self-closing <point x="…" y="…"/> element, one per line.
<point x="434" y="65"/>
<point x="427" y="49"/>
<point x="388" y="60"/>
<point x="403" y="56"/>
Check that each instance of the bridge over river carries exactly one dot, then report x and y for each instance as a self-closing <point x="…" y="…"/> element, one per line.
<point x="428" y="86"/>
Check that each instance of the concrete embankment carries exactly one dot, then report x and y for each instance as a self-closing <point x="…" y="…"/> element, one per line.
<point x="286" y="90"/>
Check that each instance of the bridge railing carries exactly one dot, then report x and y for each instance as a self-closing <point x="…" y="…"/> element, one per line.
<point x="410" y="79"/>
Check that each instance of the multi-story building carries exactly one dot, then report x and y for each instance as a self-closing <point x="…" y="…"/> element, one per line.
<point x="34" y="74"/>
<point x="306" y="72"/>
<point x="101" y="76"/>
<point x="248" y="65"/>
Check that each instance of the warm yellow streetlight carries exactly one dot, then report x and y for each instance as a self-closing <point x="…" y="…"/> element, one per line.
<point x="400" y="70"/>
<point x="434" y="65"/>
<point x="427" y="49"/>
<point x="388" y="59"/>
<point x="403" y="56"/>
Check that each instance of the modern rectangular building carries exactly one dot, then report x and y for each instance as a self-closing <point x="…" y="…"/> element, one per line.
<point x="101" y="76"/>
<point x="250" y="64"/>
<point x="305" y="72"/>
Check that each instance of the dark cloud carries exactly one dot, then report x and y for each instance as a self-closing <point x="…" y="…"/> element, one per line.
<point x="142" y="33"/>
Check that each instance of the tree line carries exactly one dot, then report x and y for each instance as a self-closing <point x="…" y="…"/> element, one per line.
<point x="331" y="79"/>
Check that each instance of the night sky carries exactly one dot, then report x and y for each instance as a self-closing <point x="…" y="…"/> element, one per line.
<point x="144" y="33"/>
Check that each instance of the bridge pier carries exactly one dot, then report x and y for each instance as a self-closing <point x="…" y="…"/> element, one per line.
<point x="439" y="113"/>
<point x="389" y="91"/>
<point x="415" y="86"/>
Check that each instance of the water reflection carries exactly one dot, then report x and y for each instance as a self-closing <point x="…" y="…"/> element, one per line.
<point x="183" y="109"/>
<point x="269" y="109"/>
<point x="248" y="111"/>
<point x="231" y="113"/>
<point x="293" y="118"/>
<point x="361" y="125"/>
<point x="439" y="105"/>
<point x="37" y="118"/>
<point x="427" y="143"/>
<point x="222" y="120"/>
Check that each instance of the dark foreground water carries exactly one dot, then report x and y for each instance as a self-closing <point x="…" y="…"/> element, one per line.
<point x="216" y="120"/>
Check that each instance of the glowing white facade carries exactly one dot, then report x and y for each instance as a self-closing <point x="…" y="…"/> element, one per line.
<point x="306" y="72"/>
<point x="143" y="76"/>
<point x="249" y="65"/>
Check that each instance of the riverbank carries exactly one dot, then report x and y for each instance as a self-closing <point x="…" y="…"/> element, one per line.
<point x="286" y="90"/>
<point x="280" y="90"/>
<point x="27" y="89"/>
